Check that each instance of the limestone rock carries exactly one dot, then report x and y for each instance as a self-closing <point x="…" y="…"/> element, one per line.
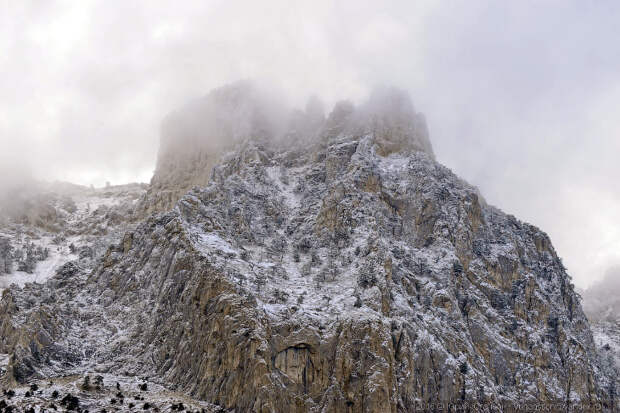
<point x="357" y="275"/>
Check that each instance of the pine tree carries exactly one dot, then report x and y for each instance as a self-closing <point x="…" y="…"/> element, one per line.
<point x="30" y="261"/>
<point x="6" y="257"/>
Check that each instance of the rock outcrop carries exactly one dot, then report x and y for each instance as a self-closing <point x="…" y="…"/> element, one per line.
<point x="353" y="274"/>
<point x="195" y="138"/>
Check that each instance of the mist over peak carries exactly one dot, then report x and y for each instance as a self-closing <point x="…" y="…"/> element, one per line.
<point x="601" y="301"/>
<point x="196" y="136"/>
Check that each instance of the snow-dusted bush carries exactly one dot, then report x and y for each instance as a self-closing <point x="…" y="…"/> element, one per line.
<point x="367" y="278"/>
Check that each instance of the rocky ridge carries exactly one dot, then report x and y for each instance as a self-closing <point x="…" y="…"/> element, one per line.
<point x="44" y="225"/>
<point x="352" y="274"/>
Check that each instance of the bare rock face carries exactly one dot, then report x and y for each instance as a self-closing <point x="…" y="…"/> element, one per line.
<point x="357" y="275"/>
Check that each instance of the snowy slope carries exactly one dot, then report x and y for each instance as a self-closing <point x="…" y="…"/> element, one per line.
<point x="76" y="226"/>
<point x="357" y="274"/>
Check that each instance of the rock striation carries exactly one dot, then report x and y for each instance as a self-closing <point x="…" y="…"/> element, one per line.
<point x="353" y="274"/>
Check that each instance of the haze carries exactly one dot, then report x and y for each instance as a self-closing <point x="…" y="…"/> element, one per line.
<point x="521" y="97"/>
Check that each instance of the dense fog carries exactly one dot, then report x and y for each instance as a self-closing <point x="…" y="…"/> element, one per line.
<point x="601" y="300"/>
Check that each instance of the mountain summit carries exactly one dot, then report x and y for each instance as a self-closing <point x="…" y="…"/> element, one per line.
<point x="195" y="137"/>
<point x="320" y="263"/>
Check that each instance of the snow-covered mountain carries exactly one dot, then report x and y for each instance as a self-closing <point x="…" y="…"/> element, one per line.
<point x="44" y="225"/>
<point x="317" y="264"/>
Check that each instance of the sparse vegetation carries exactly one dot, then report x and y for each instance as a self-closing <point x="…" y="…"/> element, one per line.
<point x="463" y="368"/>
<point x="98" y="383"/>
<point x="367" y="279"/>
<point x="358" y="301"/>
<point x="177" y="407"/>
<point x="280" y="296"/>
<point x="86" y="384"/>
<point x="70" y="402"/>
<point x="457" y="267"/>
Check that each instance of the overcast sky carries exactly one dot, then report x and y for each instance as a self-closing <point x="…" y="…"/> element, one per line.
<point x="522" y="98"/>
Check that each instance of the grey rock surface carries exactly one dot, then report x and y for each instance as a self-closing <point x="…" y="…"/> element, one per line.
<point x="353" y="274"/>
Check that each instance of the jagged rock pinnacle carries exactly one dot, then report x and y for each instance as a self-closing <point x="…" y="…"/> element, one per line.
<point x="195" y="137"/>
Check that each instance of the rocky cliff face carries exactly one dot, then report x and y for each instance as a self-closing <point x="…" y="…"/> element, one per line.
<point x="353" y="274"/>
<point x="195" y="137"/>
